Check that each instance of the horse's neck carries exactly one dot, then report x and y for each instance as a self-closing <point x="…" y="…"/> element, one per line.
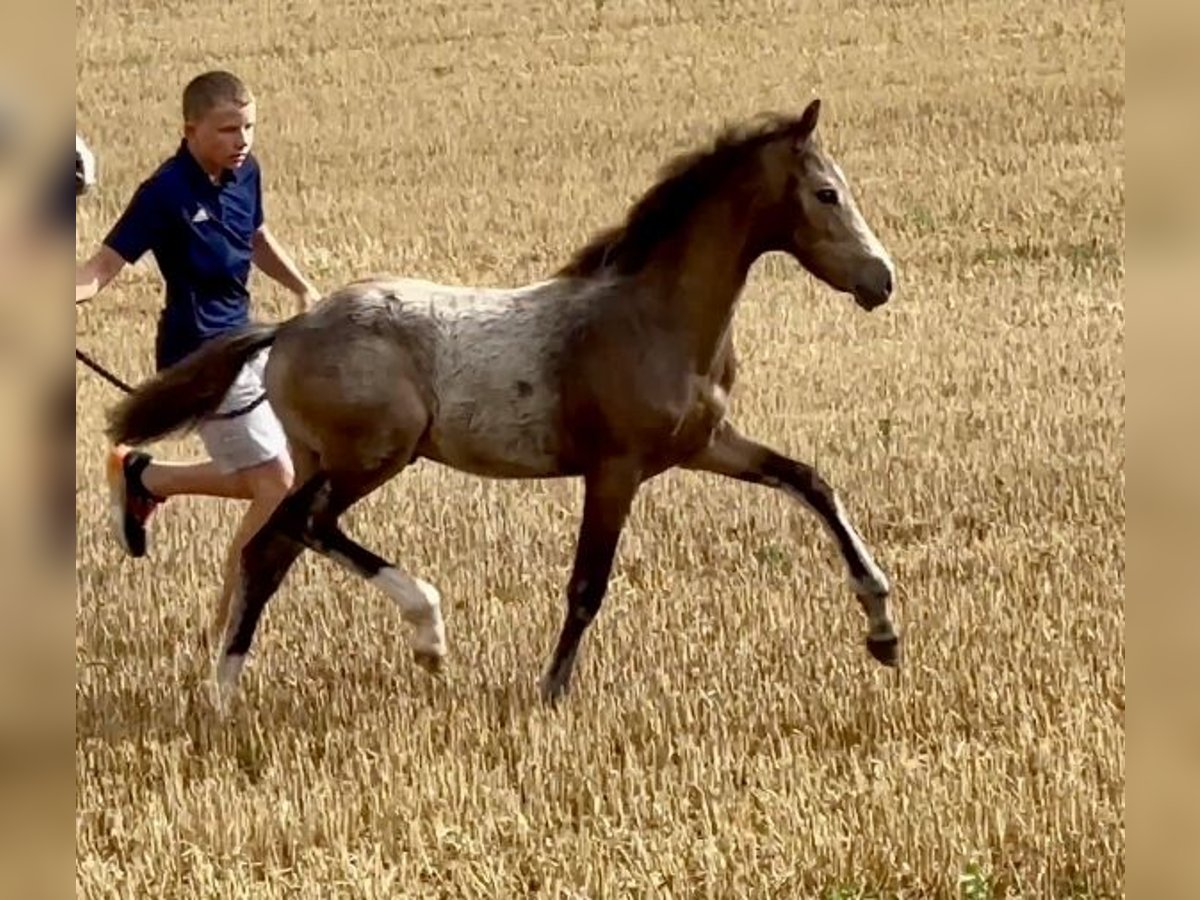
<point x="699" y="276"/>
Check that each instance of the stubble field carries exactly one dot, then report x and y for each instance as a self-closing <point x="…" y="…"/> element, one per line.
<point x="727" y="736"/>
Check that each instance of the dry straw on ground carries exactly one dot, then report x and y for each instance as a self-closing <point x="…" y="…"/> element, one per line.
<point x="728" y="735"/>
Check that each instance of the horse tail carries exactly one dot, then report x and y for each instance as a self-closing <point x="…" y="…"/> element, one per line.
<point x="178" y="398"/>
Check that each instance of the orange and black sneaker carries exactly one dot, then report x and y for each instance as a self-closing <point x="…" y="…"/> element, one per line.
<point x="130" y="504"/>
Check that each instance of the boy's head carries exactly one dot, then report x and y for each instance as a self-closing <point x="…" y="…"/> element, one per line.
<point x="218" y="120"/>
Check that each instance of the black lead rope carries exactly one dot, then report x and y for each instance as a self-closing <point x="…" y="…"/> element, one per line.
<point x="127" y="388"/>
<point x="96" y="367"/>
<point x="102" y="372"/>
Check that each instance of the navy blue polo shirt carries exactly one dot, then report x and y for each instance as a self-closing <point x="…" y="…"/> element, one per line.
<point x="201" y="234"/>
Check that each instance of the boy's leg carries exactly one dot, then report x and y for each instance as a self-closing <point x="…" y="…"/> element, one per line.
<point x="267" y="484"/>
<point x="250" y="459"/>
<point x="139" y="484"/>
<point x="252" y="451"/>
<point x="198" y="479"/>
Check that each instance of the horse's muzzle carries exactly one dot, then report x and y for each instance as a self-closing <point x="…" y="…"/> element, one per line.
<point x="875" y="289"/>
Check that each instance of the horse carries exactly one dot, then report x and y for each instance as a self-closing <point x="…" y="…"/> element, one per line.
<point x="616" y="368"/>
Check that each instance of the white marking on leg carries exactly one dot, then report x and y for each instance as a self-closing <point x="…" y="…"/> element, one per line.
<point x="228" y="666"/>
<point x="420" y="603"/>
<point x="225" y="631"/>
<point x="874" y="583"/>
<point x="873" y="588"/>
<point x="229" y="670"/>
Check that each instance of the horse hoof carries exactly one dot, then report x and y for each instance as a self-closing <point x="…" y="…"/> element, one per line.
<point x="433" y="663"/>
<point x="886" y="650"/>
<point x="553" y="690"/>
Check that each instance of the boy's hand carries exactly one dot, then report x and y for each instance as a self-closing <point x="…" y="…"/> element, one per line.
<point x="306" y="298"/>
<point x="91" y="277"/>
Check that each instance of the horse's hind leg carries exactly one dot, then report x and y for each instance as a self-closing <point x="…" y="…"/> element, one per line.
<point x="419" y="601"/>
<point x="305" y="464"/>
<point x="308" y="518"/>
<point x="265" y="561"/>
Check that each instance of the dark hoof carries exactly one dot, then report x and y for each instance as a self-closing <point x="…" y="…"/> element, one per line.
<point x="553" y="690"/>
<point x="430" y="662"/>
<point x="885" y="650"/>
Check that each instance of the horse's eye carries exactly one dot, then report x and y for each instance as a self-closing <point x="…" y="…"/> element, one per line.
<point x="828" y="196"/>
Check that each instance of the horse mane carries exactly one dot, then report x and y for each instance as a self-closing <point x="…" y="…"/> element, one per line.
<point x="683" y="182"/>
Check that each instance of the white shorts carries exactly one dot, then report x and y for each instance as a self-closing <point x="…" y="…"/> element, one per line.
<point x="255" y="436"/>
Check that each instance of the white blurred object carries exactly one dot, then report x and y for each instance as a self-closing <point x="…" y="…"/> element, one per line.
<point x="85" y="167"/>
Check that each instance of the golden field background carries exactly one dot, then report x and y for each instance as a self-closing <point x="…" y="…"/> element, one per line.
<point x="727" y="735"/>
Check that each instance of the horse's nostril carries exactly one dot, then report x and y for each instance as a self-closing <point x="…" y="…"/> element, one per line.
<point x="887" y="283"/>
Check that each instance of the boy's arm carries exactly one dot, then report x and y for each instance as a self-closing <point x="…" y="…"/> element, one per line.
<point x="275" y="262"/>
<point x="131" y="236"/>
<point x="270" y="257"/>
<point x="93" y="275"/>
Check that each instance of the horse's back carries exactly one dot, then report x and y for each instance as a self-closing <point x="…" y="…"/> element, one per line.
<point x="486" y="359"/>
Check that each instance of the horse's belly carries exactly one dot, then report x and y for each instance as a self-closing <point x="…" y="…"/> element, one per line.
<point x="497" y="402"/>
<point x="506" y="432"/>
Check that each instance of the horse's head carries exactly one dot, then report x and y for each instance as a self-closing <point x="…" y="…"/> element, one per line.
<point x="820" y="223"/>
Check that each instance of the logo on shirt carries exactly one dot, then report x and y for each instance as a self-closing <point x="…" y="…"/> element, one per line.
<point x="201" y="215"/>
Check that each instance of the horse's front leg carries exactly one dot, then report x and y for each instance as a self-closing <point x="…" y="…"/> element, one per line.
<point x="735" y="456"/>
<point x="608" y="497"/>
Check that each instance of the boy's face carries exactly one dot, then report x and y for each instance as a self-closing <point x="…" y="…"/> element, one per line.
<point x="222" y="138"/>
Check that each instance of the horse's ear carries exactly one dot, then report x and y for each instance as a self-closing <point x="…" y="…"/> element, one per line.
<point x="808" y="121"/>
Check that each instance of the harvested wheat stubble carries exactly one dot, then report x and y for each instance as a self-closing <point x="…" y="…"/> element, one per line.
<point x="727" y="735"/>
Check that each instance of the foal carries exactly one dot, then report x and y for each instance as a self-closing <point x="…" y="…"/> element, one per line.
<point x="615" y="370"/>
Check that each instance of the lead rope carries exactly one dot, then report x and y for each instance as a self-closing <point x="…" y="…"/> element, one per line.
<point x="128" y="388"/>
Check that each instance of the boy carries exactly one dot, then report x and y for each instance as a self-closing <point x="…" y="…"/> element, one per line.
<point x="200" y="213"/>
